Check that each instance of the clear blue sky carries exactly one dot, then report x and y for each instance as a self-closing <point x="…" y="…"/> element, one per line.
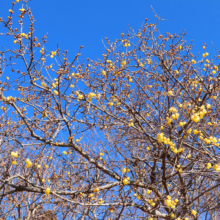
<point x="86" y="22"/>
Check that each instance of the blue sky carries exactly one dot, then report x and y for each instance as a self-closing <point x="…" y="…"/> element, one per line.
<point x="72" y="23"/>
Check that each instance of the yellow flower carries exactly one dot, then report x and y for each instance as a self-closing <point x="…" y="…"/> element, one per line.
<point x="126" y="180"/>
<point x="160" y="137"/>
<point x="124" y="170"/>
<point x="149" y="191"/>
<point x="207" y="141"/>
<point x="17" y="1"/>
<point x="208" y="106"/>
<point x="47" y="191"/>
<point x="193" y="61"/>
<point x="189" y="131"/>
<point x="111" y="209"/>
<point x="195" y="118"/>
<point x="216" y="167"/>
<point x="28" y="163"/>
<point x="193" y="212"/>
<point x="175" y="116"/>
<point x="14" y="154"/>
<point x="123" y="63"/>
<point x="208" y="166"/>
<point x="14" y="162"/>
<point x="173" y="110"/>
<point x="110" y="104"/>
<point x="101" y="201"/>
<point x="64" y="152"/>
<point x="96" y="190"/>
<point x="22" y="9"/>
<point x="170" y="93"/>
<point x="56" y="92"/>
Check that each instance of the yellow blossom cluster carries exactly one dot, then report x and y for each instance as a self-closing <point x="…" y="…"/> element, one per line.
<point x="208" y="166"/>
<point x="42" y="50"/>
<point x="56" y="92"/>
<point x="175" y="116"/>
<point x="193" y="212"/>
<point x="169" y="120"/>
<point x="173" y="110"/>
<point x="216" y="167"/>
<point x="126" y="180"/>
<point x="162" y="139"/>
<point x="124" y="170"/>
<point x="28" y="163"/>
<point x="151" y="202"/>
<point x="101" y="201"/>
<point x="54" y="85"/>
<point x="52" y="54"/>
<point x="123" y="63"/>
<point x="14" y="154"/>
<point x="91" y="95"/>
<point x="149" y="191"/>
<point x="179" y="169"/>
<point x="198" y="115"/>
<point x="137" y="196"/>
<point x="131" y="123"/>
<point x="9" y="98"/>
<point x="171" y="203"/>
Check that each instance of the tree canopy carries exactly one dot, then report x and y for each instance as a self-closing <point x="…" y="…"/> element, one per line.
<point x="131" y="135"/>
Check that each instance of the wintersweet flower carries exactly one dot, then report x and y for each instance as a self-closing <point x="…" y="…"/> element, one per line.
<point x="149" y="191"/>
<point x="28" y="163"/>
<point x="124" y="170"/>
<point x="195" y="118"/>
<point x="56" y="92"/>
<point x="208" y="106"/>
<point x="22" y="9"/>
<point x="47" y="191"/>
<point x="193" y="212"/>
<point x="175" y="116"/>
<point x="208" y="166"/>
<point x="170" y="93"/>
<point x="173" y="110"/>
<point x="160" y="137"/>
<point x="216" y="167"/>
<point x="14" y="154"/>
<point x="126" y="180"/>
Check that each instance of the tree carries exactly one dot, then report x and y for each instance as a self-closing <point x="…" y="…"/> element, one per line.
<point x="133" y="135"/>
